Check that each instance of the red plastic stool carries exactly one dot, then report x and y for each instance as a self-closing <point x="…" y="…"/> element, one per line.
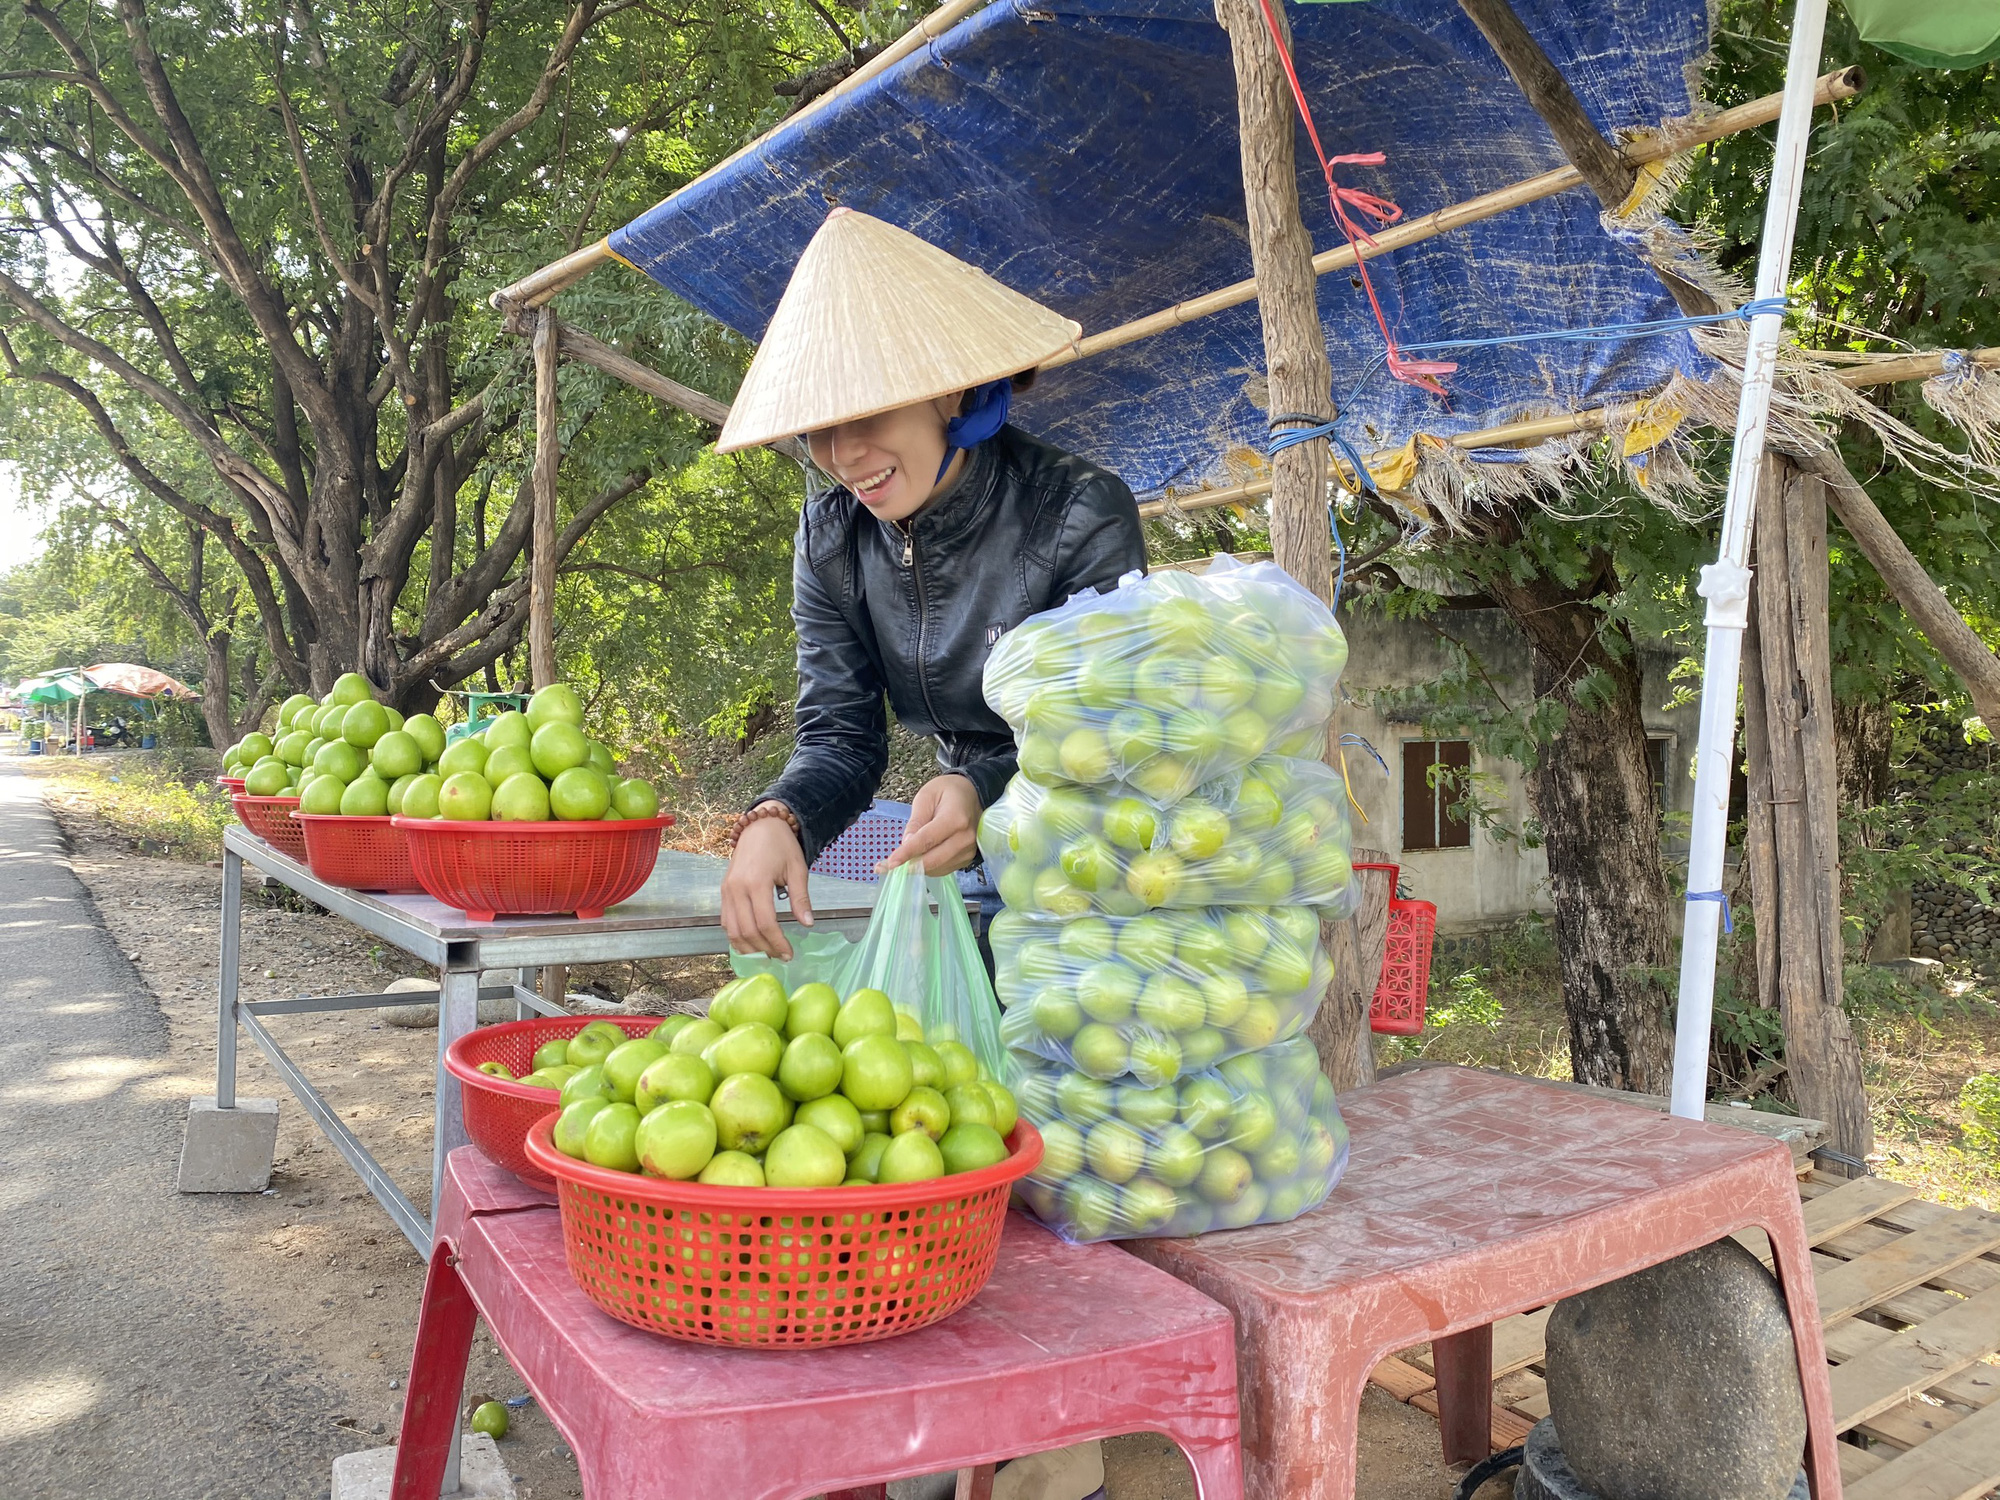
<point x="1065" y="1344"/>
<point x="1470" y="1197"/>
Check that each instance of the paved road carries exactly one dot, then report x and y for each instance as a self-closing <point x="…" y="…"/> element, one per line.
<point x="122" y="1373"/>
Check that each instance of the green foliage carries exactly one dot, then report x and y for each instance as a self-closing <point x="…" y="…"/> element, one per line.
<point x="162" y="803"/>
<point x="1980" y="1099"/>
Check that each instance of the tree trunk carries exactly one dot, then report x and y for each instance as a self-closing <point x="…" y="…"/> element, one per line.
<point x="1592" y="789"/>
<point x="1340" y="1031"/>
<point x="1299" y="376"/>
<point x="1821" y="1056"/>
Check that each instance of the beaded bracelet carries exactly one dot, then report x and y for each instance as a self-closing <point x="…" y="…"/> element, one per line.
<point x="760" y="811"/>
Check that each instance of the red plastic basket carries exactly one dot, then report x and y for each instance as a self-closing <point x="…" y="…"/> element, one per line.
<point x="498" y="1113"/>
<point x="231" y="784"/>
<point x="363" y="854"/>
<point x="270" y="818"/>
<point x="490" y="869"/>
<point x="781" y="1268"/>
<point x="1398" y="1007"/>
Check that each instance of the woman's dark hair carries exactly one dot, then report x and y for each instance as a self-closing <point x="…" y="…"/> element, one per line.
<point x="1024" y="381"/>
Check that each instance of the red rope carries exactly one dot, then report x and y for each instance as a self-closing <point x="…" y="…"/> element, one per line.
<point x="1417" y="372"/>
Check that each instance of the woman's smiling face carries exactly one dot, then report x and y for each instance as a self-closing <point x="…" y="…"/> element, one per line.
<point x="888" y="461"/>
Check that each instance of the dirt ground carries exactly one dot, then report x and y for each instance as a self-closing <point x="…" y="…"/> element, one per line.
<point x="315" y="1263"/>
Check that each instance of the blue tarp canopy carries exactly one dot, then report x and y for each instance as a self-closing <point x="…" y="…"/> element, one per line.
<point x="1085" y="153"/>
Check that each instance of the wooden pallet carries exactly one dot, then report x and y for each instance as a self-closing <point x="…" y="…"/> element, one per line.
<point x="1909" y="1294"/>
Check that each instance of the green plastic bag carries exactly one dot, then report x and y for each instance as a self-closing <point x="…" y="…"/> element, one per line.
<point x="919" y="950"/>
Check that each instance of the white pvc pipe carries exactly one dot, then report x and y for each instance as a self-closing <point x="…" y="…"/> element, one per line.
<point x="1725" y="583"/>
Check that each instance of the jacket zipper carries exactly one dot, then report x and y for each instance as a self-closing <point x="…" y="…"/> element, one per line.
<point x="917" y="579"/>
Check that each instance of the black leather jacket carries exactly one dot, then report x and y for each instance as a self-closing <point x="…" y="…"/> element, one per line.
<point x="913" y="608"/>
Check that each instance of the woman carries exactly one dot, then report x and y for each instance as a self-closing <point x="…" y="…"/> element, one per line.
<point x="943" y="528"/>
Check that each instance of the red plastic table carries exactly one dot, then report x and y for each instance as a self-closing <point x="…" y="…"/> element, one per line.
<point x="1066" y="1343"/>
<point x="1470" y="1197"/>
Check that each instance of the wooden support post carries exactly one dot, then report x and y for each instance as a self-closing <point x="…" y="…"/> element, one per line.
<point x="1298" y="376"/>
<point x="1796" y="772"/>
<point x="548" y="456"/>
<point x="1340" y="1031"/>
<point x="542" y="565"/>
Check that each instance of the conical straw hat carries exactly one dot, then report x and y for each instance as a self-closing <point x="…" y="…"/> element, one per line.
<point x="875" y="318"/>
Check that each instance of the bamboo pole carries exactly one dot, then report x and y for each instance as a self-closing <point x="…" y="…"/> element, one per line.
<point x="1842" y="84"/>
<point x="538" y="287"/>
<point x="548" y="456"/>
<point x="1874" y="372"/>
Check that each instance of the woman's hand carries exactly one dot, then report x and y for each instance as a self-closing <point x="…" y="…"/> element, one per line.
<point x="943" y="828"/>
<point x="767" y="856"/>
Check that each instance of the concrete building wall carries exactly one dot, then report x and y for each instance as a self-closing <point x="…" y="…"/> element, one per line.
<point x="1497" y="879"/>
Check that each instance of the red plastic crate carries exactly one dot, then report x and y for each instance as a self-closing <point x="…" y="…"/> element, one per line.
<point x="1400" y="996"/>
<point x="523" y="869"/>
<point x="498" y="1111"/>
<point x="781" y="1267"/>
<point x="270" y="818"/>
<point x="361" y="853"/>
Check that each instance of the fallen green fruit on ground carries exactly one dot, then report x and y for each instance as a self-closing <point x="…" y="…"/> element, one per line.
<point x="491" y="1419"/>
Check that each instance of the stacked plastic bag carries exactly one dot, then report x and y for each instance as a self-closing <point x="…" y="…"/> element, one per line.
<point x="1165" y="858"/>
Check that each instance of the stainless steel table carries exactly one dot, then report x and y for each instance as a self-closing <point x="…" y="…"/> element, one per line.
<point x="677" y="912"/>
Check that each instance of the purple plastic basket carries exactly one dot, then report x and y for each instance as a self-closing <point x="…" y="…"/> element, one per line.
<point x="870" y="839"/>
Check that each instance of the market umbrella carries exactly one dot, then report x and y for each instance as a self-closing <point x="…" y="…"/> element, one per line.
<point x="56" y="687"/>
<point x="136" y="682"/>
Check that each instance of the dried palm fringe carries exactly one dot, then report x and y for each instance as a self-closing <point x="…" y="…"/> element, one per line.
<point x="1968" y="397"/>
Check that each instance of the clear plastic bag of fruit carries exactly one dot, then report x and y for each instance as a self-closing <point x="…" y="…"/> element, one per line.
<point x="1169" y="680"/>
<point x="1275" y="833"/>
<point x="1158" y="996"/>
<point x="1255" y="1140"/>
<point x="919" y="950"/>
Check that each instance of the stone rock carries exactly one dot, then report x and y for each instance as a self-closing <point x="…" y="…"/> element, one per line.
<point x="652" y="1002"/>
<point x="425" y="1017"/>
<point x="228" y="1150"/>
<point x="1679" y="1382"/>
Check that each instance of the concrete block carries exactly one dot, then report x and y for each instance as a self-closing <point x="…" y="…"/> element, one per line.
<point x="229" y="1150"/>
<point x="482" y="1472"/>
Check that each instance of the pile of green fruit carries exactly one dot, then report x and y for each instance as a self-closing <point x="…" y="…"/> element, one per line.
<point x="348" y="735"/>
<point x="1165" y="857"/>
<point x="1278" y="832"/>
<point x="1159" y="996"/>
<point x="1169" y="681"/>
<point x="529" y="768"/>
<point x="771" y="1090"/>
<point x="1256" y="1139"/>
<point x="348" y="754"/>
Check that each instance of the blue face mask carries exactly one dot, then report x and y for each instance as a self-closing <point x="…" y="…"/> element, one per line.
<point x="985" y="414"/>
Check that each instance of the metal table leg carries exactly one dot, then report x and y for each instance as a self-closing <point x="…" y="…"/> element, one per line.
<point x="458" y="1013"/>
<point x="225" y="1019"/>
